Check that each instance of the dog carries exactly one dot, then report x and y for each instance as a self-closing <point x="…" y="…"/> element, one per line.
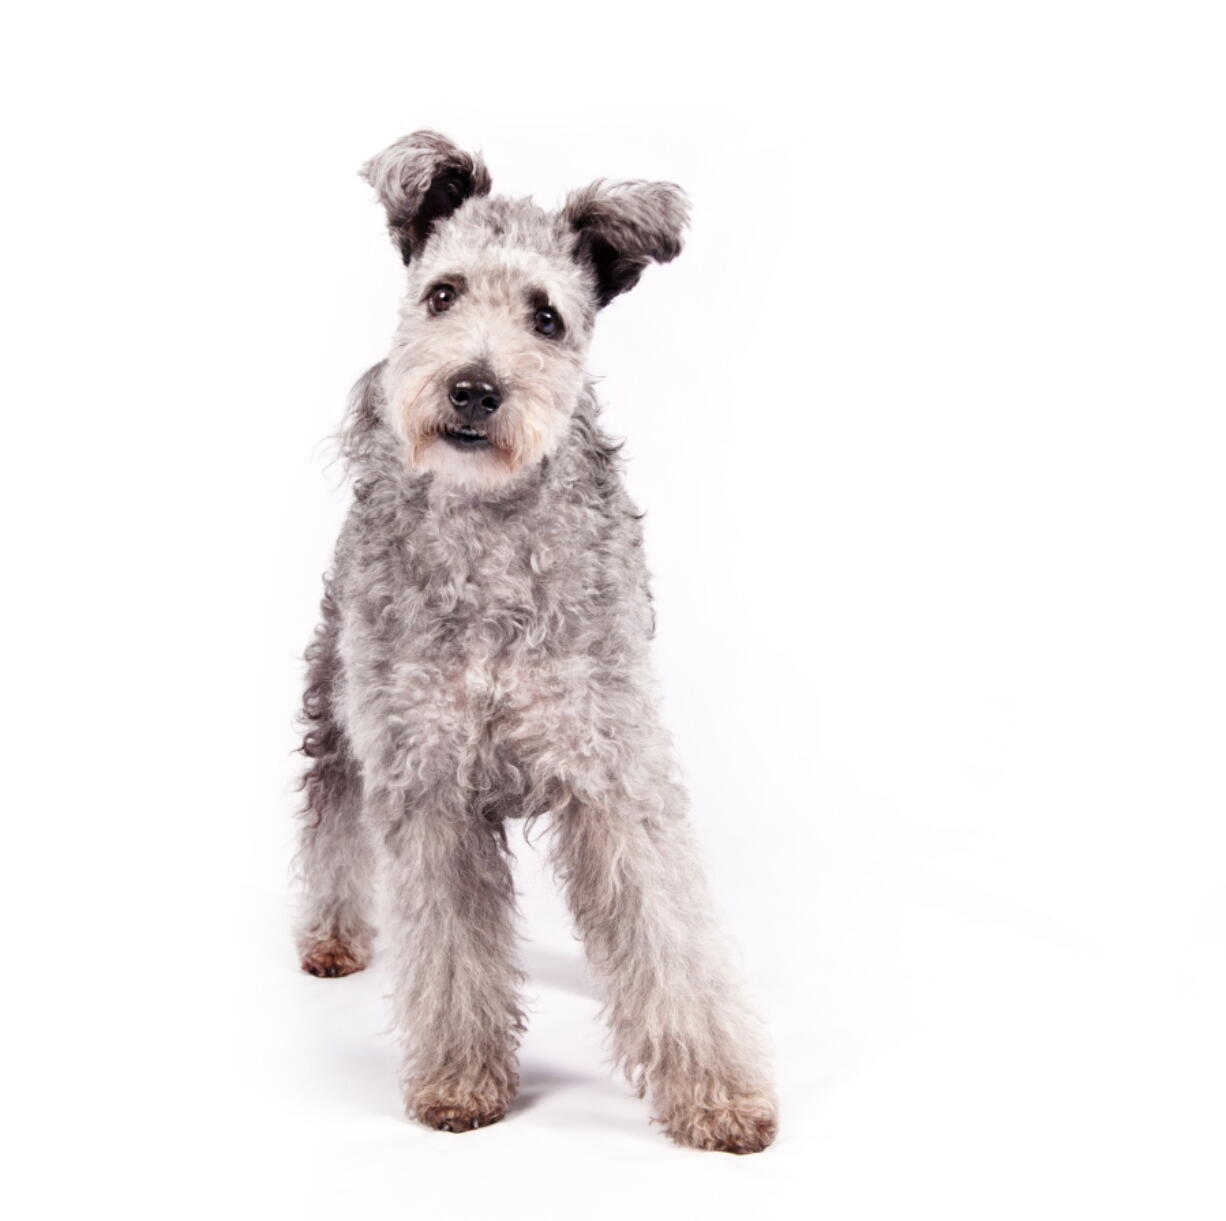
<point x="483" y="656"/>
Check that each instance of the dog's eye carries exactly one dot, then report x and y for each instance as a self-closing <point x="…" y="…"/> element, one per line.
<point x="441" y="298"/>
<point x="547" y="321"/>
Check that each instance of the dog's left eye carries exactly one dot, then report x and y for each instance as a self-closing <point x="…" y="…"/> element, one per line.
<point x="442" y="297"/>
<point x="547" y="321"/>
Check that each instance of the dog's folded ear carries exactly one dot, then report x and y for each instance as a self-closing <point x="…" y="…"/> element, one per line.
<point x="422" y="179"/>
<point x="622" y="226"/>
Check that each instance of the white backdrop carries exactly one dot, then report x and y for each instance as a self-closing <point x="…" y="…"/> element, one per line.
<point x="927" y="422"/>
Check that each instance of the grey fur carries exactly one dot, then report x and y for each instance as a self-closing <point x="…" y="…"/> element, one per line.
<point x="420" y="180"/>
<point x="625" y="225"/>
<point x="484" y="656"/>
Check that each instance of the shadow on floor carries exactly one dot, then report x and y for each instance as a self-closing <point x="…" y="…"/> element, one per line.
<point x="555" y="969"/>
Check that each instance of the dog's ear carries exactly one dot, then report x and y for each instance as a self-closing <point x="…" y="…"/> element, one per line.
<point x="421" y="180"/>
<point x="620" y="227"/>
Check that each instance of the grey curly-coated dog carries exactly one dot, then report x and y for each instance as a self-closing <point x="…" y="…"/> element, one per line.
<point x="484" y="655"/>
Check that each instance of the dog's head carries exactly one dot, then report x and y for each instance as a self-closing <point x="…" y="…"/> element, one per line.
<point x="488" y="360"/>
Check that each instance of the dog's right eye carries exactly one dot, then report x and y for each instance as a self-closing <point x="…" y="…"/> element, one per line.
<point x="442" y="297"/>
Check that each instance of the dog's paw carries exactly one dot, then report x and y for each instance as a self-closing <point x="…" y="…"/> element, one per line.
<point x="737" y="1127"/>
<point x="331" y="958"/>
<point x="458" y="1114"/>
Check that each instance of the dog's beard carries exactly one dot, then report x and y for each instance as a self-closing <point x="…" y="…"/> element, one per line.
<point x="526" y="429"/>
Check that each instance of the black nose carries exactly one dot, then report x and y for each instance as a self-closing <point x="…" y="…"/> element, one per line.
<point x="474" y="393"/>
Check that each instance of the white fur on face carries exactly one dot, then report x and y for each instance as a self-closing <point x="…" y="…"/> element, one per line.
<point x="491" y="323"/>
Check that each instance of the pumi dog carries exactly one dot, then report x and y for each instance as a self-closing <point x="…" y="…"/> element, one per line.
<point x="483" y="656"/>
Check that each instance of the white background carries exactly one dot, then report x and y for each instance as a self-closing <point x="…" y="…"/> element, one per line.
<point x="927" y="422"/>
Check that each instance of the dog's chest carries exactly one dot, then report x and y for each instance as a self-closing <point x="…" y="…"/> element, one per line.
<point x="499" y="648"/>
<point x="508" y="622"/>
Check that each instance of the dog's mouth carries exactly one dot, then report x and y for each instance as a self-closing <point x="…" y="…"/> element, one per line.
<point x="466" y="436"/>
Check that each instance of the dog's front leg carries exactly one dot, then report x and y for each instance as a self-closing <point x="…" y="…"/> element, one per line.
<point x="451" y="939"/>
<point x="634" y="883"/>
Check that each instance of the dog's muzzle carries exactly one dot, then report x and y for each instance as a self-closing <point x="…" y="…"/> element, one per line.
<point x="474" y="395"/>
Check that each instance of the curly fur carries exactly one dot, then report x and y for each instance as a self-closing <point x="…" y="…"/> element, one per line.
<point x="622" y="226"/>
<point x="484" y="656"/>
<point x="420" y="180"/>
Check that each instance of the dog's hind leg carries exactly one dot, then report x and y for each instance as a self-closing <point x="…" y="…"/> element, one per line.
<point x="335" y="859"/>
